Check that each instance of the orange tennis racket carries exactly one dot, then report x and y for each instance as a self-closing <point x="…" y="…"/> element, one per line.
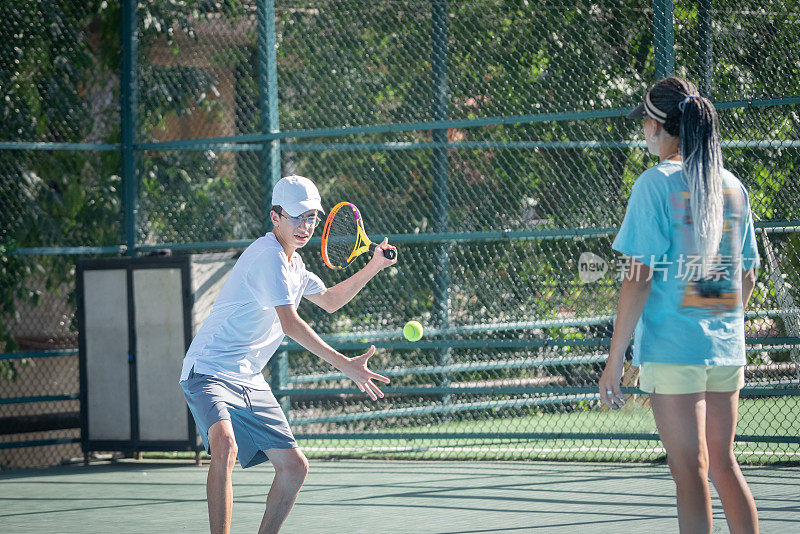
<point x="344" y="238"/>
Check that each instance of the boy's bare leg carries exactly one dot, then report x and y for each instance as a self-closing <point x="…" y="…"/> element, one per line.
<point x="291" y="468"/>
<point x="737" y="501"/>
<point x="219" y="485"/>
<point x="681" y="422"/>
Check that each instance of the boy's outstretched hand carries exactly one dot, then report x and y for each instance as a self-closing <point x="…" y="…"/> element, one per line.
<point x="356" y="370"/>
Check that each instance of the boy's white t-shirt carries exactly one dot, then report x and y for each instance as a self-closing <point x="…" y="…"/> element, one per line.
<point x="243" y="331"/>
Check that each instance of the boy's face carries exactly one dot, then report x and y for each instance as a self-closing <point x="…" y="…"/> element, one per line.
<point x="295" y="231"/>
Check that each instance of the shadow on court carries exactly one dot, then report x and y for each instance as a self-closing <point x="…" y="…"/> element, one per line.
<point x="403" y="497"/>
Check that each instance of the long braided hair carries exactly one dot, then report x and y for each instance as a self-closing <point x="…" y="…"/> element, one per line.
<point x="693" y="119"/>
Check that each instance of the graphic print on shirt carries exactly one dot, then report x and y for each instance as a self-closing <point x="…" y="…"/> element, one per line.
<point x="719" y="290"/>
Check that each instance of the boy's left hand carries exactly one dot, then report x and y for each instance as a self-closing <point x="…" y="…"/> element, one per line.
<point x="381" y="261"/>
<point x="356" y="370"/>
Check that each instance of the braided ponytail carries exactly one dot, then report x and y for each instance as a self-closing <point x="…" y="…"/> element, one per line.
<point x="702" y="161"/>
<point x="683" y="113"/>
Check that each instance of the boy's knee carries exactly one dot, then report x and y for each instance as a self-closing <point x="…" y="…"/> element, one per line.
<point x="300" y="467"/>
<point x="294" y="469"/>
<point x="304" y="465"/>
<point x="224" y="448"/>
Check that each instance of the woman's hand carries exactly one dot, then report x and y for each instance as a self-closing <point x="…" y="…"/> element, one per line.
<point x="610" y="391"/>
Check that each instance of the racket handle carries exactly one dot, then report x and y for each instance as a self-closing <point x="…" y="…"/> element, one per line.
<point x="388" y="253"/>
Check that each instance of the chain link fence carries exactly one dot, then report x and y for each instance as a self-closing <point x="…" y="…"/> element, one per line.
<point x="485" y="138"/>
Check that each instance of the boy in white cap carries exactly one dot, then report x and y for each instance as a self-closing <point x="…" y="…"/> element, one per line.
<point x="236" y="413"/>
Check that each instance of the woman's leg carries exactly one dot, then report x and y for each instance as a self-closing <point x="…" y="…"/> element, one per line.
<point x="740" y="508"/>
<point x="681" y="422"/>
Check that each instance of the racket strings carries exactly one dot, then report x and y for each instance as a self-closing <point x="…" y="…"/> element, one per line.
<point x="342" y="236"/>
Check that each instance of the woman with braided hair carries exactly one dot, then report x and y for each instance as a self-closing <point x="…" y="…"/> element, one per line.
<point x="688" y="233"/>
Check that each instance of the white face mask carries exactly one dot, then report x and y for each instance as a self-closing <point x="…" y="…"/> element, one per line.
<point x="650" y="139"/>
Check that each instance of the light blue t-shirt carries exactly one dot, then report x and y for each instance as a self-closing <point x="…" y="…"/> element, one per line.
<point x="687" y="319"/>
<point x="243" y="330"/>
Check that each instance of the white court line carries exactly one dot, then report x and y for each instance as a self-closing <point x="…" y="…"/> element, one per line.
<point x="659" y="450"/>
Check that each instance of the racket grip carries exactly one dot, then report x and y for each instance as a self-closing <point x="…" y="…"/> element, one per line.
<point x="388" y="253"/>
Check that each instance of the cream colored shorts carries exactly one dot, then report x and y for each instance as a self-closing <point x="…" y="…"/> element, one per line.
<point x="676" y="379"/>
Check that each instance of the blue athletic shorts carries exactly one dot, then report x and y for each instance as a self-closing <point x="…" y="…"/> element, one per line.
<point x="258" y="421"/>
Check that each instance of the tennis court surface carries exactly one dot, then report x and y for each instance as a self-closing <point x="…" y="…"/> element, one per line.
<point x="379" y="496"/>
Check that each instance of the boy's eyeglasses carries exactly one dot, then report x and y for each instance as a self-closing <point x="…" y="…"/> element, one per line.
<point x="312" y="220"/>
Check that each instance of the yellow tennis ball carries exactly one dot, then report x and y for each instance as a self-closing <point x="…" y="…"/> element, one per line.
<point x="412" y="331"/>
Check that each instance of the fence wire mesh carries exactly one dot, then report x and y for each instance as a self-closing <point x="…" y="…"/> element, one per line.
<point x="40" y="406"/>
<point x="485" y="137"/>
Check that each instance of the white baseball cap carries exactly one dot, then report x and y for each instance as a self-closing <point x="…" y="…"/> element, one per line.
<point x="296" y="195"/>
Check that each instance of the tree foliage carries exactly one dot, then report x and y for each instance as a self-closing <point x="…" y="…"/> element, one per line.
<point x="363" y="62"/>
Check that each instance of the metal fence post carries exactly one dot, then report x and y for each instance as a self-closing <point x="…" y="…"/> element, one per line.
<point x="270" y="154"/>
<point x="441" y="194"/>
<point x="663" y="38"/>
<point x="128" y="105"/>
<point x="268" y="100"/>
<point x="706" y="40"/>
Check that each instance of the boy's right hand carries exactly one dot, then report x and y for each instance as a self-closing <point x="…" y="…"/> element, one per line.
<point x="379" y="259"/>
<point x="356" y="370"/>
